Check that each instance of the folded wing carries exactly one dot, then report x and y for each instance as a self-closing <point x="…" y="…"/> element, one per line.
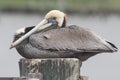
<point x="71" y="38"/>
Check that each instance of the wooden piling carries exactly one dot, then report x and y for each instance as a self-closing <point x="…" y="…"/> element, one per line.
<point x="51" y="68"/>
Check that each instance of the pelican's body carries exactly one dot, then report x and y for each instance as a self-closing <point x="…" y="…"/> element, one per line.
<point x="62" y="42"/>
<point x="71" y="41"/>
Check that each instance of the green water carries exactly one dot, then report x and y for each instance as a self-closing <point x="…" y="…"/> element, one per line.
<point x="71" y="6"/>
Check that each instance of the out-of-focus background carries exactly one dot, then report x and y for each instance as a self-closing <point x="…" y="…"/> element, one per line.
<point x="70" y="6"/>
<point x="101" y="16"/>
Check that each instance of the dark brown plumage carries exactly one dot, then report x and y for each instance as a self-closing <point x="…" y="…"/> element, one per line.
<point x="53" y="39"/>
<point x="71" y="41"/>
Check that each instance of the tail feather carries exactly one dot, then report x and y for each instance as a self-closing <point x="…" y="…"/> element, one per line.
<point x="113" y="47"/>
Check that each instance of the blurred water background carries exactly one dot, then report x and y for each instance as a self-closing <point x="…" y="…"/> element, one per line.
<point x="101" y="16"/>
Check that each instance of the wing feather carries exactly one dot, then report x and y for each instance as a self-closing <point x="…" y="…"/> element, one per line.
<point x="72" y="38"/>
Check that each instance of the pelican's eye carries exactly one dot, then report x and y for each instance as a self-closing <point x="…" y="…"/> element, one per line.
<point x="54" y="17"/>
<point x="53" y="21"/>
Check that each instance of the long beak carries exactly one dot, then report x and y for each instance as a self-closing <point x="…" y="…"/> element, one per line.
<point x="42" y="25"/>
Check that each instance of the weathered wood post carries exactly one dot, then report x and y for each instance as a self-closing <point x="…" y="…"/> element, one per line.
<point x="51" y="68"/>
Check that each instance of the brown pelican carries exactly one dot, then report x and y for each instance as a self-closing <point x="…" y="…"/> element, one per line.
<point x="51" y="38"/>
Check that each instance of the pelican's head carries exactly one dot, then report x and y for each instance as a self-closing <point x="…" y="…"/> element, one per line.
<point x="53" y="19"/>
<point x="56" y="17"/>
